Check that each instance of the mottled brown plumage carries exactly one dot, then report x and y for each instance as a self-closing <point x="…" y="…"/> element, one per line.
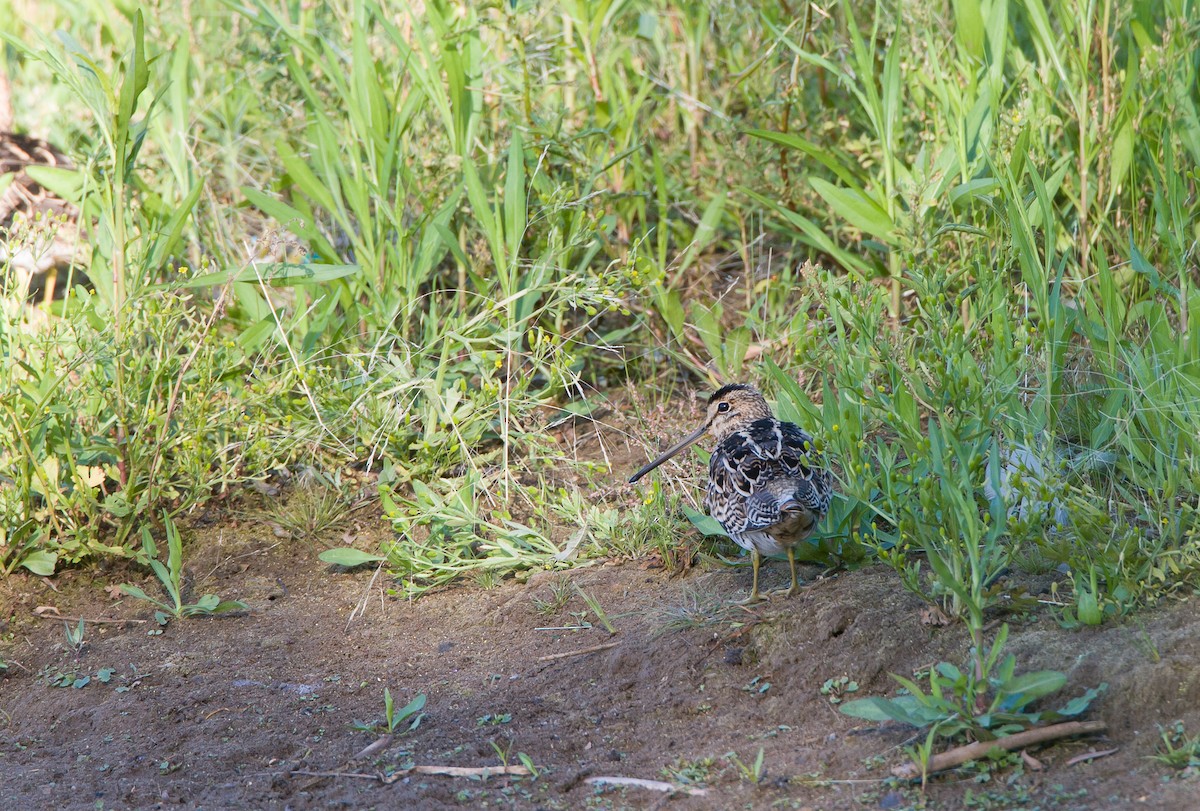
<point x="767" y="484"/>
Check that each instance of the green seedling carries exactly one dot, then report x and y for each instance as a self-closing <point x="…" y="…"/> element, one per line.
<point x="837" y="688"/>
<point x="410" y="710"/>
<point x="560" y="595"/>
<point x="170" y="576"/>
<point x="74" y="634"/>
<point x="393" y="719"/>
<point x="493" y="719"/>
<point x="597" y="610"/>
<point x="752" y="772"/>
<point x="1176" y="748"/>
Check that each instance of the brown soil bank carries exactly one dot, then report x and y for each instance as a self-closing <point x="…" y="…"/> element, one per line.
<point x="223" y="714"/>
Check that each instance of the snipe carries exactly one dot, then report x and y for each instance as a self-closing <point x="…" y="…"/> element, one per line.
<point x="767" y="484"/>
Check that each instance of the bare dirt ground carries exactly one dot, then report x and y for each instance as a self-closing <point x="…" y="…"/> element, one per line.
<point x="247" y="712"/>
<point x="223" y="713"/>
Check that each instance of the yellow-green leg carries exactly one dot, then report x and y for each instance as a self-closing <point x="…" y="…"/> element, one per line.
<point x="791" y="564"/>
<point x="755" y="560"/>
<point x="788" y="592"/>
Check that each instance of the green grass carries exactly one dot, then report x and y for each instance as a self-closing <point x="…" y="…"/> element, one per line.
<point x="1177" y="749"/>
<point x="954" y="240"/>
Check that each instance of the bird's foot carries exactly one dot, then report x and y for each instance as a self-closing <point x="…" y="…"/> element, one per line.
<point x="788" y="592"/>
<point x="755" y="597"/>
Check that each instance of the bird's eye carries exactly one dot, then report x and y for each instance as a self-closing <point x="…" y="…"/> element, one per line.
<point x="723" y="407"/>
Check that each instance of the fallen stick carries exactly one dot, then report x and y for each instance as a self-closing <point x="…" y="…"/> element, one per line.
<point x="471" y="771"/>
<point x="974" y="751"/>
<point x="373" y="748"/>
<point x="321" y="775"/>
<point x="49" y="612"/>
<point x="581" y="652"/>
<point x="1089" y="756"/>
<point x="653" y="785"/>
<point x="445" y="771"/>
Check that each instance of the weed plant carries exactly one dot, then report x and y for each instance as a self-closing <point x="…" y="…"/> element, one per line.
<point x="957" y="242"/>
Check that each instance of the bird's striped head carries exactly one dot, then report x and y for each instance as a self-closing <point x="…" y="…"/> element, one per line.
<point x="730" y="409"/>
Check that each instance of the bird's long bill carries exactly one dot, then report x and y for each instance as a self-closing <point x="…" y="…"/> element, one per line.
<point x="683" y="443"/>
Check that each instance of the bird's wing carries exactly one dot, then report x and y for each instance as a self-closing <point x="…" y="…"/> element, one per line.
<point x="766" y="456"/>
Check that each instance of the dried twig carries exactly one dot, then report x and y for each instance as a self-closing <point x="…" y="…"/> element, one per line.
<point x="581" y="652"/>
<point x="1091" y="755"/>
<point x="321" y="775"/>
<point x="974" y="751"/>
<point x="653" y="785"/>
<point x="360" y="609"/>
<point x="471" y="771"/>
<point x="373" y="748"/>
<point x="49" y="612"/>
<point x="445" y="771"/>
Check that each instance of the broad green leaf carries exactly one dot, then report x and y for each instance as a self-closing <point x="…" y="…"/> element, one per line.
<point x="281" y="274"/>
<point x="116" y="505"/>
<point x="134" y="591"/>
<point x="208" y="602"/>
<point x="794" y="405"/>
<point x="174" y="550"/>
<point x="857" y="208"/>
<point x="997" y="40"/>
<point x="869" y="709"/>
<point x="647" y="25"/>
<point x="706" y="524"/>
<point x="904" y="710"/>
<point x="414" y="706"/>
<point x="349" y="557"/>
<point x="169" y="245"/>
<point x="66" y="183"/>
<point x="1077" y="705"/>
<point x="1030" y="686"/>
<point x="514" y="196"/>
<point x="451" y="242"/>
<point x="302" y="175"/>
<point x="41" y="562"/>
<point x="812" y="150"/>
<point x="162" y="573"/>
<point x="972" y="189"/>
<point x="1122" y="156"/>
<point x="968" y="28"/>
<point x="481" y="209"/>
<point x="137" y="77"/>
<point x="814" y="235"/>
<point x="949" y="671"/>
<point x="706" y="231"/>
<point x="1149" y="271"/>
<point x="1047" y="40"/>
